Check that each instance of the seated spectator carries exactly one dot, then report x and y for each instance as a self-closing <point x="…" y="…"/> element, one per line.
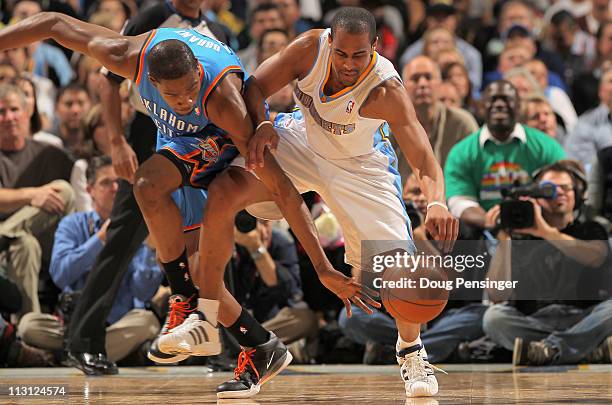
<point x="73" y="102"/>
<point x="447" y="57"/>
<point x="45" y="56"/>
<point x="576" y="47"/>
<point x="7" y="72"/>
<point x="441" y="14"/>
<point x="290" y="12"/>
<point x="45" y="89"/>
<point x="585" y="88"/>
<point x="437" y="40"/>
<point x="554" y="315"/>
<point x="509" y="58"/>
<point x="444" y="126"/>
<point x="457" y="74"/>
<point x="500" y="154"/>
<point x="538" y="114"/>
<point x="592" y="131"/>
<point x="271" y="42"/>
<point x="37" y="120"/>
<point x="517" y="27"/>
<point x="263" y="17"/>
<point x="556" y="96"/>
<point x="120" y="10"/>
<point x="266" y="281"/>
<point x="519" y="37"/>
<point x="449" y="95"/>
<point x="78" y="240"/>
<point x="35" y="195"/>
<point x="527" y="84"/>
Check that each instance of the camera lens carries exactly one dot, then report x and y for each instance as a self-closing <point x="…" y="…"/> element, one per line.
<point x="245" y="222"/>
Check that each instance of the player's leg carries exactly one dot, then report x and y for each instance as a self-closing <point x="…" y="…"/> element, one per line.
<point x="365" y="195"/>
<point x="190" y="202"/>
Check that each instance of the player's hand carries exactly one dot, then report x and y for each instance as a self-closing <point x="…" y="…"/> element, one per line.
<point x="265" y="136"/>
<point x="443" y="226"/>
<point x="124" y="159"/>
<point x="48" y="198"/>
<point x="349" y="290"/>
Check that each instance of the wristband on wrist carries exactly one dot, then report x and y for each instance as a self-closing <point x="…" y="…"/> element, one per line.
<point x="262" y="123"/>
<point x="431" y="204"/>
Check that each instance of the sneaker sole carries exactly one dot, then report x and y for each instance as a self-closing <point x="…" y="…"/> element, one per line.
<point x="255" y="389"/>
<point x="204" y="349"/>
<point x="163" y="358"/>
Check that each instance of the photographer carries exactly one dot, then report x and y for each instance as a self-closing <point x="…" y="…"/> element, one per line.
<point x="266" y="279"/>
<point x="554" y="315"/>
<point x="78" y="240"/>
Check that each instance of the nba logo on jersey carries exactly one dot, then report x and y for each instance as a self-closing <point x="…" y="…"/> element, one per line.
<point x="210" y="149"/>
<point x="197" y="111"/>
<point x="349" y="107"/>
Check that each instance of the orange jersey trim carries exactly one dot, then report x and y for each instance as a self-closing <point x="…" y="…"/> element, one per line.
<point x="342" y="92"/>
<point x="142" y="55"/>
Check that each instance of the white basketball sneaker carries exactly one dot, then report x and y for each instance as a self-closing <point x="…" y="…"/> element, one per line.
<point x="417" y="373"/>
<point x="198" y="335"/>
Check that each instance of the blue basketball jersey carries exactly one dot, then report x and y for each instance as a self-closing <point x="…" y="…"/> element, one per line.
<point x="216" y="60"/>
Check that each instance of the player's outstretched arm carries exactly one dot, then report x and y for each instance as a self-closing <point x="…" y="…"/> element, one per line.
<point x="273" y="74"/>
<point x="391" y="102"/>
<point x="110" y="48"/>
<point x="227" y="110"/>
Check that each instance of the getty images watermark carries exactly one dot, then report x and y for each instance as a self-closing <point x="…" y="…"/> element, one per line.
<point x="424" y="262"/>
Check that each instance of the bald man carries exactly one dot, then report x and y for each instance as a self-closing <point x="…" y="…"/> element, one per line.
<point x="444" y="125"/>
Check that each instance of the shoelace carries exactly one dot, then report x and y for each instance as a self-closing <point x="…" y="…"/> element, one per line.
<point x="178" y="313"/>
<point x="414" y="367"/>
<point x="245" y="358"/>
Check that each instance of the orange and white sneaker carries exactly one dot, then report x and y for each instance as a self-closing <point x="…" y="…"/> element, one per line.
<point x="256" y="367"/>
<point x="197" y="335"/>
<point x="178" y="310"/>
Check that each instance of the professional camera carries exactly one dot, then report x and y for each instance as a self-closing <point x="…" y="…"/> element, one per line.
<point x="245" y="222"/>
<point x="518" y="214"/>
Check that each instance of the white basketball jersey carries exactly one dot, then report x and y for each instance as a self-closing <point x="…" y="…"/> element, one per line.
<point x="334" y="127"/>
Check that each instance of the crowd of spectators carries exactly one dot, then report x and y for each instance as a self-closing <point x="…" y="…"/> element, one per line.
<point x="510" y="93"/>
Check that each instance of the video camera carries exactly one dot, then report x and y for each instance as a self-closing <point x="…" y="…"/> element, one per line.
<point x="245" y="222"/>
<point x="518" y="214"/>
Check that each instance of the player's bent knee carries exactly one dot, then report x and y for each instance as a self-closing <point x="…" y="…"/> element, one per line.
<point x="146" y="189"/>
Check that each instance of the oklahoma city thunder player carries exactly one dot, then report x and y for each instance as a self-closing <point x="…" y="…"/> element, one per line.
<point x="191" y="85"/>
<point x="349" y="98"/>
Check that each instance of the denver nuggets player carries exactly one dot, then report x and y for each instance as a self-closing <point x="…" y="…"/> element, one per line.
<point x="349" y="98"/>
<point x="191" y="85"/>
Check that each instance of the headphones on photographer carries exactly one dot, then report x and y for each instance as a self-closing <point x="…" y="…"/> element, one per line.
<point x="574" y="169"/>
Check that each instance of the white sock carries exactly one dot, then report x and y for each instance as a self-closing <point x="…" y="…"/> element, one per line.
<point x="210" y="308"/>
<point x="402" y="344"/>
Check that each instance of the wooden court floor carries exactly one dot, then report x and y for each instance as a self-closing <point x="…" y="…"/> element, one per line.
<point x="314" y="385"/>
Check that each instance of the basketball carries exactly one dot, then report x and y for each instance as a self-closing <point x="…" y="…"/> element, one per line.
<point x="419" y="302"/>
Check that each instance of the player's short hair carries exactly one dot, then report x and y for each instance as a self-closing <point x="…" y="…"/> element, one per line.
<point x="354" y="20"/>
<point x="95" y="164"/>
<point x="171" y="59"/>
